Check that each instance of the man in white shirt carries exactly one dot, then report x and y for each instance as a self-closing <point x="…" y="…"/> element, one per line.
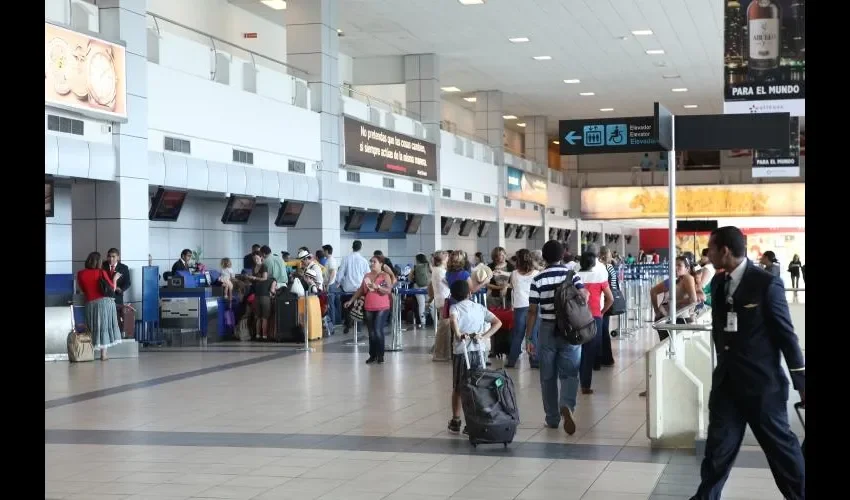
<point x="350" y="274"/>
<point x="330" y="283"/>
<point x="309" y="263"/>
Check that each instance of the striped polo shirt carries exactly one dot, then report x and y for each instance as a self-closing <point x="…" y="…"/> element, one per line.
<point x="543" y="288"/>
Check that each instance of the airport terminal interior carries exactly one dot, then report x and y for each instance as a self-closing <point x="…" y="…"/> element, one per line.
<point x="258" y="212"/>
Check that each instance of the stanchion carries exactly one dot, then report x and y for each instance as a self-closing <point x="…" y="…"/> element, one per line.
<point x="306" y="324"/>
<point x="356" y="342"/>
<point x="395" y="322"/>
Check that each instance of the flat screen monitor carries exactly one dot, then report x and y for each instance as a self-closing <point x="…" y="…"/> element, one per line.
<point x="466" y="227"/>
<point x="553" y="233"/>
<point x="288" y="214"/>
<point x="49" y="204"/>
<point x="238" y="209"/>
<point x="413" y="223"/>
<point x="354" y="220"/>
<point x="166" y="205"/>
<point x="484" y="229"/>
<point x="520" y="231"/>
<point x="446" y="224"/>
<point x="385" y="222"/>
<point x="509" y="229"/>
<point x="532" y="231"/>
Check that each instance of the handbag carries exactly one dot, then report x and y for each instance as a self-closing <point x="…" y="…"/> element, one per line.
<point x="105" y="288"/>
<point x="80" y="347"/>
<point x="619" y="306"/>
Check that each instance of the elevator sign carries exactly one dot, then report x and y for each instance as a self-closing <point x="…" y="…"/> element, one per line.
<point x="610" y="135"/>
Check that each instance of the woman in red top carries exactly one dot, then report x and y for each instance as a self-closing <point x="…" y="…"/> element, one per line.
<point x="375" y="290"/>
<point x="101" y="315"/>
<point x="595" y="278"/>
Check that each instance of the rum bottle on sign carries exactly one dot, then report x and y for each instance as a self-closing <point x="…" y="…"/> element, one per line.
<point x="764" y="25"/>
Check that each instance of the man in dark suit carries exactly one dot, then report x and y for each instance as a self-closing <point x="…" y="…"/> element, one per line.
<point x="751" y="327"/>
<point x="112" y="266"/>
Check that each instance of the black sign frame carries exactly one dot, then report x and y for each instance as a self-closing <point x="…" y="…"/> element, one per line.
<point x="376" y="148"/>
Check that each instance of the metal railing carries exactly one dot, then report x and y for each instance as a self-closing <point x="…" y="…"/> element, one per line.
<point x="223" y="55"/>
<point x="376" y="102"/>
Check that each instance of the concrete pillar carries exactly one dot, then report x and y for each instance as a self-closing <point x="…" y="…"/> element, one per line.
<point x="115" y="214"/>
<point x="490" y="127"/>
<point x="536" y="144"/>
<point x="312" y="43"/>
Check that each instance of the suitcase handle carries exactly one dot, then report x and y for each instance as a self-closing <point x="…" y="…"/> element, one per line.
<point x="473" y="339"/>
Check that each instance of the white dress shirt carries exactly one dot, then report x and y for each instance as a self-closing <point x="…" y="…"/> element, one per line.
<point x="736" y="276"/>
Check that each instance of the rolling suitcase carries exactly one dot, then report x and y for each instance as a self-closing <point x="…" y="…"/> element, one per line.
<point x="127" y="320"/>
<point x="286" y="318"/>
<point x="489" y="403"/>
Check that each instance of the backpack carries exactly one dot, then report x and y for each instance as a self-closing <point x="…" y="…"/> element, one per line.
<point x="572" y="316"/>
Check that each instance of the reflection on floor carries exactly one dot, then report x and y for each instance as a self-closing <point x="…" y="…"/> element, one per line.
<point x="259" y="421"/>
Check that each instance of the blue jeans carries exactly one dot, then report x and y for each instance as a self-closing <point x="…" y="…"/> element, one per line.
<point x="333" y="303"/>
<point x="520" y="323"/>
<point x="559" y="361"/>
<point x="375" y="322"/>
<point x="589" y="352"/>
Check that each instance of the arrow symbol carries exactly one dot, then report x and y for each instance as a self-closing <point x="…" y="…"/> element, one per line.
<point x="572" y="138"/>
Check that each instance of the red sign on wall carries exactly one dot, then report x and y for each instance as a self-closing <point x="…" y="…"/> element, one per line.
<point x="249" y="35"/>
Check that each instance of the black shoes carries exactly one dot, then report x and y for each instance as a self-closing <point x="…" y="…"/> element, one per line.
<point x="454" y="426"/>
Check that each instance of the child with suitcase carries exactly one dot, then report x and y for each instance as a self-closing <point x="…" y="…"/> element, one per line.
<point x="467" y="318"/>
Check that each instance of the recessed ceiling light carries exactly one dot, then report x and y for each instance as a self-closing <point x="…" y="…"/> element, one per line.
<point x="605" y="110"/>
<point x="670" y="77"/>
<point x="470" y="99"/>
<point x="542" y="58"/>
<point x="681" y="89"/>
<point x="509" y="117"/>
<point x="450" y="89"/>
<point x="556" y="142"/>
<point x="572" y="80"/>
<point x="586" y="94"/>
<point x="521" y="124"/>
<point x="519" y="39"/>
<point x="471" y="2"/>
<point x="642" y="32"/>
<point x="274" y="4"/>
<point x="655" y="52"/>
<point x="691" y="106"/>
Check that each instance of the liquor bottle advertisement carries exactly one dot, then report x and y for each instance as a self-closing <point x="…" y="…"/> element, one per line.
<point x="765" y="53"/>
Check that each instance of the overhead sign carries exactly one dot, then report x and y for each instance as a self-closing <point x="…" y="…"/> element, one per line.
<point x="376" y="148"/>
<point x="765" y="54"/>
<point x="652" y="202"/>
<point x="609" y="135"/>
<point x="84" y="74"/>
<point x="780" y="162"/>
<point x="725" y="132"/>
<point x="525" y="187"/>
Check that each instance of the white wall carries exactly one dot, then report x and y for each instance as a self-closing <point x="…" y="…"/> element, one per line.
<point x="457" y="171"/>
<point x="621" y="161"/>
<point x="57" y="234"/>
<point x="395" y="94"/>
<point x="462" y="118"/>
<point x="346" y="68"/>
<point x="228" y="22"/>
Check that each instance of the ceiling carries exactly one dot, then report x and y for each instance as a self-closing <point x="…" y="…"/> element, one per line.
<point x="589" y="40"/>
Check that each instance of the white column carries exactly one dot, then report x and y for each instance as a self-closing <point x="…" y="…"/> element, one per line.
<point x="490" y="127"/>
<point x="312" y="43"/>
<point x="536" y="146"/>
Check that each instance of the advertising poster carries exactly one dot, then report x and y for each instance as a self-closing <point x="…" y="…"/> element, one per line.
<point x="84" y="74"/>
<point x="765" y="56"/>
<point x="780" y="162"/>
<point x="652" y="202"/>
<point x="376" y="148"/>
<point x="525" y="187"/>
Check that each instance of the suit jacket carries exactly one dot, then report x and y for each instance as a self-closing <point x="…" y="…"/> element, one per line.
<point x="749" y="358"/>
<point x="123" y="282"/>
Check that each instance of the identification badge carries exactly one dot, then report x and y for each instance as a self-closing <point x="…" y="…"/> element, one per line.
<point x="731" y="322"/>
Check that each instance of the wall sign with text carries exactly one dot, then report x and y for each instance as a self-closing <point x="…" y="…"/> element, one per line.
<point x="525" y="187"/>
<point x="765" y="51"/>
<point x="376" y="148"/>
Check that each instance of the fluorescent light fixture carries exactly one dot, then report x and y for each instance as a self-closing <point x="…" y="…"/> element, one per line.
<point x="520" y="124"/>
<point x="556" y="142"/>
<point x="339" y="30"/>
<point x="642" y="32"/>
<point x="682" y="89"/>
<point x="509" y="117"/>
<point x="519" y="39"/>
<point x="605" y="110"/>
<point x="622" y="38"/>
<point x="586" y="94"/>
<point x="450" y="89"/>
<point x="471" y="2"/>
<point x="691" y="106"/>
<point x="655" y="52"/>
<point x="670" y="77"/>
<point x="542" y="58"/>
<point x="274" y="4"/>
<point x="470" y="99"/>
<point x="572" y="80"/>
<point x="660" y="64"/>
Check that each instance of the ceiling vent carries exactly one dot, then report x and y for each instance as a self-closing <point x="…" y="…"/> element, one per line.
<point x="417" y="187"/>
<point x="352" y="177"/>
<point x="389" y="182"/>
<point x="240" y="156"/>
<point x="177" y="145"/>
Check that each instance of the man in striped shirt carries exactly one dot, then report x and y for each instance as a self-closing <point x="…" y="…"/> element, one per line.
<point x="558" y="359"/>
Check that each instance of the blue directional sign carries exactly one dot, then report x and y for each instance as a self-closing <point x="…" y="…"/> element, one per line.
<point x="594" y="135"/>
<point x="615" y="135"/>
<point x="609" y="135"/>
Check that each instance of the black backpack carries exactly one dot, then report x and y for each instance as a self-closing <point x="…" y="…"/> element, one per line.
<point x="572" y="315"/>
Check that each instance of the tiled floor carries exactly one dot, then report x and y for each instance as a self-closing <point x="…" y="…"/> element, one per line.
<point x="270" y="422"/>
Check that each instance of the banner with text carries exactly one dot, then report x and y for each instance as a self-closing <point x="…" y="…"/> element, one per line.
<point x="376" y="148"/>
<point x="784" y="162"/>
<point x="765" y="56"/>
<point x="526" y="187"/>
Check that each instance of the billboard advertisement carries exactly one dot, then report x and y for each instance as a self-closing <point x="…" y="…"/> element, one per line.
<point x="376" y="148"/>
<point x="84" y="74"/>
<point x="652" y="202"/>
<point x="525" y="187"/>
<point x="765" y="56"/>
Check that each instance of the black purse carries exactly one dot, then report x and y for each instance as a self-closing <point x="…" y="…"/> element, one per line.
<point x="105" y="288"/>
<point x="619" y="305"/>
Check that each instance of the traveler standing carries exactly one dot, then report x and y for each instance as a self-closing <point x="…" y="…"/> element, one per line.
<point x="101" y="314"/>
<point x="350" y="275"/>
<point x="595" y="279"/>
<point x="794" y="268"/>
<point x="420" y="276"/>
<point x="520" y="281"/>
<point x="375" y="290"/>
<point x="752" y="327"/>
